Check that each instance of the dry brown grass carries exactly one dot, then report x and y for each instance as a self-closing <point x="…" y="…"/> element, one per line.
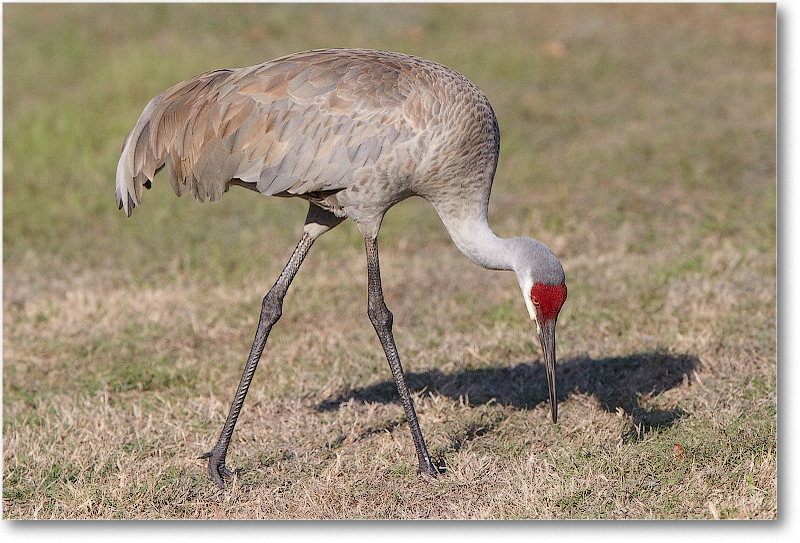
<point x="318" y="443"/>
<point x="638" y="142"/>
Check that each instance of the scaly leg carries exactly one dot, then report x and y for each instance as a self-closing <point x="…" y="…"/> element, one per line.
<point x="270" y="313"/>
<point x="381" y="319"/>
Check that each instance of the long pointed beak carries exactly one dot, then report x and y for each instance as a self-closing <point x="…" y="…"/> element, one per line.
<point x="547" y="338"/>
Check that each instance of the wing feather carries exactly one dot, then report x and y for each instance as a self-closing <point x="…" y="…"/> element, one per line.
<point x="301" y="124"/>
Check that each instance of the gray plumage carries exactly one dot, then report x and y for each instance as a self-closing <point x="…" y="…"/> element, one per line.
<point x="323" y="125"/>
<point x="353" y="132"/>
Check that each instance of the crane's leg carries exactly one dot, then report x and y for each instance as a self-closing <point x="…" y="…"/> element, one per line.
<point x="270" y="313"/>
<point x="381" y="319"/>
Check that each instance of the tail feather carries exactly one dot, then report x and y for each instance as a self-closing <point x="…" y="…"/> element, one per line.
<point x="137" y="165"/>
<point x="172" y="131"/>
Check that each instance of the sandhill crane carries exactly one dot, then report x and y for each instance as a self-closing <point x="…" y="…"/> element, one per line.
<point x="353" y="132"/>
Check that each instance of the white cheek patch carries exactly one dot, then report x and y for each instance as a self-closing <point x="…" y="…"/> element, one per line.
<point x="531" y="309"/>
<point x="526" y="284"/>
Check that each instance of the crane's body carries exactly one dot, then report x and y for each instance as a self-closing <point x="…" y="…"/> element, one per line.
<point x="353" y="132"/>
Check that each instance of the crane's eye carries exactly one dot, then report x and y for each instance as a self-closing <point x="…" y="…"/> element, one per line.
<point x="535" y="301"/>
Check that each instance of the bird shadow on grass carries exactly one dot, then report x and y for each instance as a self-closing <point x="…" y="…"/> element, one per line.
<point x="616" y="382"/>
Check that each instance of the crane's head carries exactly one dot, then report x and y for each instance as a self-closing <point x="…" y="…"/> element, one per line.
<point x="544" y="290"/>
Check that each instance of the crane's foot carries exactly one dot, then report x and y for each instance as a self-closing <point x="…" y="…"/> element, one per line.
<point x="428" y="468"/>
<point x="217" y="469"/>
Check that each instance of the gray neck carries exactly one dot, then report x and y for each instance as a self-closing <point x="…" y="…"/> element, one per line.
<point x="478" y="243"/>
<point x="531" y="260"/>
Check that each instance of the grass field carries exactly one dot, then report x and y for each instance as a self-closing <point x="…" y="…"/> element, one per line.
<point x="638" y="142"/>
